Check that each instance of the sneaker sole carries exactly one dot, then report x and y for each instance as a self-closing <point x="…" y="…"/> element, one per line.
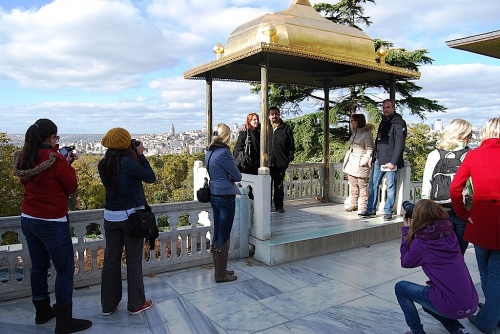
<point x="141" y="310"/>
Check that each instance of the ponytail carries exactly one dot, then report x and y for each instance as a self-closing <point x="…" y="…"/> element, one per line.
<point x="35" y="135"/>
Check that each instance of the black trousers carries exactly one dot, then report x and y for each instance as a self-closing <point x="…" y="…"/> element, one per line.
<point x="277" y="177"/>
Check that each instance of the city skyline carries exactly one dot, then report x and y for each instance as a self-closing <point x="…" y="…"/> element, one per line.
<point x="95" y="64"/>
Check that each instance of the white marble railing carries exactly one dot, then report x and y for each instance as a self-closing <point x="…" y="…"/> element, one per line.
<point x="187" y="246"/>
<point x="179" y="247"/>
<point x="304" y="181"/>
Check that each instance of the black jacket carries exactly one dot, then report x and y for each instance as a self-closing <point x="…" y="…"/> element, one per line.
<point x="282" y="146"/>
<point x="390" y="142"/>
<point x="254" y="135"/>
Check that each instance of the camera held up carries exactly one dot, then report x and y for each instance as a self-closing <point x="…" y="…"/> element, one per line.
<point x="135" y="143"/>
<point x="408" y="207"/>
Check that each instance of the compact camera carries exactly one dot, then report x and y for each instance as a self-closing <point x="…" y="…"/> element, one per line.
<point x="67" y="150"/>
<point x="408" y="207"/>
<point x="135" y="143"/>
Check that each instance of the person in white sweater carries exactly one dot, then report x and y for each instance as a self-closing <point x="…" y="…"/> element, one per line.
<point x="455" y="138"/>
<point x="356" y="161"/>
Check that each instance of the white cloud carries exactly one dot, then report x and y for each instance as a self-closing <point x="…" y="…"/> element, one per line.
<point x="91" y="44"/>
<point x="94" y="64"/>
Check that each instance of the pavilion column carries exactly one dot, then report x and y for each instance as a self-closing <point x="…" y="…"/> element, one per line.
<point x="208" y="121"/>
<point x="264" y="118"/>
<point x="392" y="87"/>
<point x="326" y="142"/>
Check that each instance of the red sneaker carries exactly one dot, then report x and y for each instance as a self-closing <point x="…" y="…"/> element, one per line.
<point x="147" y="305"/>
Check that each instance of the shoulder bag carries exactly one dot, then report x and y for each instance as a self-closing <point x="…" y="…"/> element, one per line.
<point x="141" y="223"/>
<point x="203" y="194"/>
<point x="244" y="160"/>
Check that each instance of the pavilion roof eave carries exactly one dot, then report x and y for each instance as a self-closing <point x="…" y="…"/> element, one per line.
<point x="487" y="44"/>
<point x="294" y="65"/>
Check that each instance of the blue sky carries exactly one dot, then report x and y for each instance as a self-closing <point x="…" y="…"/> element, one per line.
<point x="91" y="65"/>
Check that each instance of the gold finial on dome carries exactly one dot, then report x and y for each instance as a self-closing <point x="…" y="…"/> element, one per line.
<point x="269" y="30"/>
<point x="218" y="50"/>
<point x="382" y="52"/>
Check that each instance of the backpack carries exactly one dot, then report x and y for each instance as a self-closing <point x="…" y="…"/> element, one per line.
<point x="443" y="174"/>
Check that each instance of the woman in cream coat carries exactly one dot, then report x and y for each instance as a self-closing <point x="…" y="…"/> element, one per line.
<point x="356" y="161"/>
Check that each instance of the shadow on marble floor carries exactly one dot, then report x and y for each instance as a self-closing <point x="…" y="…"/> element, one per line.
<point x="346" y="292"/>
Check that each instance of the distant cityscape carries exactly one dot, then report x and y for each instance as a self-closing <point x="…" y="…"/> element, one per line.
<point x="168" y="143"/>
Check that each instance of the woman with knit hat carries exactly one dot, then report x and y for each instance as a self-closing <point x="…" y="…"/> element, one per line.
<point x="48" y="180"/>
<point x="122" y="171"/>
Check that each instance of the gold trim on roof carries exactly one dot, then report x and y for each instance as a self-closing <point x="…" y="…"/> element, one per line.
<point x="299" y="52"/>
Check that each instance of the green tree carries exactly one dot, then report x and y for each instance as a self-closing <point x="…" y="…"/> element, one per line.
<point x="346" y="12"/>
<point x="91" y="193"/>
<point x="11" y="189"/>
<point x="358" y="98"/>
<point x="419" y="143"/>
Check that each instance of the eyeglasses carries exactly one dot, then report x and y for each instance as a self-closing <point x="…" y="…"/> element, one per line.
<point x="57" y="137"/>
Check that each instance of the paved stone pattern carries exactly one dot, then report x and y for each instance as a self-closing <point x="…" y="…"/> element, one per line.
<point x="346" y="292"/>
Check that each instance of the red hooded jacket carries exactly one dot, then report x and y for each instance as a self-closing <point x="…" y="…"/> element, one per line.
<point x="482" y="165"/>
<point x="48" y="185"/>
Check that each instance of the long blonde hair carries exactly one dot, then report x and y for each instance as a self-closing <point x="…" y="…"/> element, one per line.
<point x="491" y="129"/>
<point x="425" y="212"/>
<point x="222" y="134"/>
<point x="458" y="129"/>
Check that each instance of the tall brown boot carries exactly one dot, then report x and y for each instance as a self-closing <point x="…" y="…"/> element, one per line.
<point x="213" y="250"/>
<point x="221" y="265"/>
<point x="44" y="311"/>
<point x="65" y="323"/>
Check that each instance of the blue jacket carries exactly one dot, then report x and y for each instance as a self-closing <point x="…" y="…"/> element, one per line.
<point x="222" y="170"/>
<point x="435" y="248"/>
<point x="129" y="179"/>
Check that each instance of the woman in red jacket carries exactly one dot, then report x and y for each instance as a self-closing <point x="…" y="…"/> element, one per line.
<point x="48" y="180"/>
<point x="482" y="165"/>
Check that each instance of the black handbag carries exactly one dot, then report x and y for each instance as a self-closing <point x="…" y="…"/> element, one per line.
<point x="243" y="159"/>
<point x="142" y="224"/>
<point x="203" y="194"/>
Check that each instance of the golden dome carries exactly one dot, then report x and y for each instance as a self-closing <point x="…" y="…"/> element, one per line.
<point x="301" y="26"/>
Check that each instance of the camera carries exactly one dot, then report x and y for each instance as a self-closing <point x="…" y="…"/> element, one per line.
<point x="67" y="150"/>
<point x="135" y="143"/>
<point x="408" y="207"/>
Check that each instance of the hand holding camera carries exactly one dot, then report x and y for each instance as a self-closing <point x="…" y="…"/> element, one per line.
<point x="67" y="151"/>
<point x="138" y="146"/>
<point x="408" y="207"/>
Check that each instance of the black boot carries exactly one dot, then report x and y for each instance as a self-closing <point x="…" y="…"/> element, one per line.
<point x="213" y="250"/>
<point x="65" y="323"/>
<point x="44" y="311"/>
<point x="221" y="265"/>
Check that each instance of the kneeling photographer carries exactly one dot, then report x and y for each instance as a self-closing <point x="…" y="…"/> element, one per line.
<point x="428" y="241"/>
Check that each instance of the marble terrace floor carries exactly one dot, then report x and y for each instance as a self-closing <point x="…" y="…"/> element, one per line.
<point x="346" y="292"/>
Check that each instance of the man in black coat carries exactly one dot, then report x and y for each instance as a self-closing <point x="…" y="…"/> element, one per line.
<point x="280" y="155"/>
<point x="387" y="158"/>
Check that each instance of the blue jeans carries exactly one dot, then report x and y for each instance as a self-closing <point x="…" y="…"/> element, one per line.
<point x="408" y="294"/>
<point x="223" y="208"/>
<point x="375" y="179"/>
<point x="50" y="240"/>
<point x="488" y="263"/>
<point x="459" y="228"/>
